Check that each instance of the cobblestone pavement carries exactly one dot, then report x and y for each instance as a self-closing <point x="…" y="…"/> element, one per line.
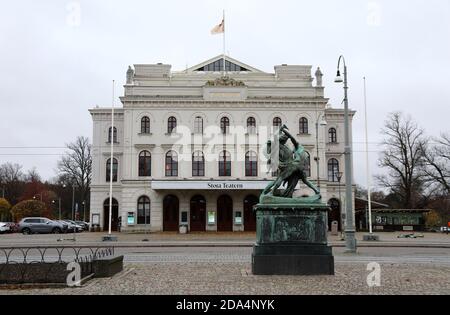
<point x="236" y="279"/>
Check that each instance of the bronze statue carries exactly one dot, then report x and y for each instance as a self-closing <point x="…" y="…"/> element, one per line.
<point x="291" y="169"/>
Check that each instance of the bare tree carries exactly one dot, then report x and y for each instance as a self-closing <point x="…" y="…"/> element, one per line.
<point x="75" y="168"/>
<point x="11" y="180"/>
<point x="33" y="176"/>
<point x="437" y="163"/>
<point x="403" y="159"/>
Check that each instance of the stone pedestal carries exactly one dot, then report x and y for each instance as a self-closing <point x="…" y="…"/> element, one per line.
<point x="292" y="240"/>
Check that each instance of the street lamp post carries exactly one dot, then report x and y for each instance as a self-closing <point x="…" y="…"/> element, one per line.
<point x="350" y="239"/>
<point x="339" y="178"/>
<point x="59" y="206"/>
<point x="322" y="123"/>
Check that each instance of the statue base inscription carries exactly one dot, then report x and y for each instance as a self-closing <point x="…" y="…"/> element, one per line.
<point x="292" y="240"/>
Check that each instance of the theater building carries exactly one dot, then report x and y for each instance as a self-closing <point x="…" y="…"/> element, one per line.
<point x="189" y="145"/>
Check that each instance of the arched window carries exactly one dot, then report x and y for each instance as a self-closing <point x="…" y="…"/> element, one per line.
<point x="198" y="164"/>
<point x="145" y="164"/>
<point x="332" y="135"/>
<point x="303" y="126"/>
<point x="112" y="133"/>
<point x="251" y="164"/>
<point x="171" y="125"/>
<point x="145" y="125"/>
<point x="277" y="122"/>
<point x="251" y="125"/>
<point x="307" y="165"/>
<point x="114" y="169"/>
<point x="225" y="164"/>
<point x="224" y="125"/>
<point x="143" y="210"/>
<point x="333" y="170"/>
<point x="171" y="164"/>
<point x="198" y="125"/>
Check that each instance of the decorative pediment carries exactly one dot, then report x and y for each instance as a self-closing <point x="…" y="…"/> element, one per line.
<point x="216" y="65"/>
<point x="224" y="81"/>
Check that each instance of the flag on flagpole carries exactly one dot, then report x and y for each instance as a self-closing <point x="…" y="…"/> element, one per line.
<point x="219" y="29"/>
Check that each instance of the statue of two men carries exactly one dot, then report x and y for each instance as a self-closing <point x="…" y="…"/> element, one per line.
<point x="291" y="165"/>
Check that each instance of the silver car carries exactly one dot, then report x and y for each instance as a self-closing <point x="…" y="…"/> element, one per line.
<point x="39" y="225"/>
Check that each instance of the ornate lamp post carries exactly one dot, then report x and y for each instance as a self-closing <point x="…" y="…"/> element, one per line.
<point x="350" y="239"/>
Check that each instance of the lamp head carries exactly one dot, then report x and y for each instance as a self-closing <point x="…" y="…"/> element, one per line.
<point x="323" y="123"/>
<point x="338" y="77"/>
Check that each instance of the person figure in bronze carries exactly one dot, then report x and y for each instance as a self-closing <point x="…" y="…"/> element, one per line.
<point x="291" y="169"/>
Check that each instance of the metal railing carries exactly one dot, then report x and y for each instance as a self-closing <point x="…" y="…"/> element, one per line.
<point x="23" y="261"/>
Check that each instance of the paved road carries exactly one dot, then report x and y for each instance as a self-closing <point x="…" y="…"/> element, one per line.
<point x="243" y="255"/>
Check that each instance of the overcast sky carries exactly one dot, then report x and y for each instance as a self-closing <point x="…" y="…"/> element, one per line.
<point x="58" y="58"/>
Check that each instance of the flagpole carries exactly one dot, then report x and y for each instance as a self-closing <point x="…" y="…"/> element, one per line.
<point x="224" y="47"/>
<point x="369" y="192"/>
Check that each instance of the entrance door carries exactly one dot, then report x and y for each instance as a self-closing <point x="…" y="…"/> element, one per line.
<point x="114" y="217"/>
<point x="171" y="207"/>
<point x="249" y="214"/>
<point x="198" y="214"/>
<point x="335" y="213"/>
<point x="225" y="214"/>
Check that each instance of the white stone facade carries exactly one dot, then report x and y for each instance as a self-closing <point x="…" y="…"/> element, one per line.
<point x="196" y="95"/>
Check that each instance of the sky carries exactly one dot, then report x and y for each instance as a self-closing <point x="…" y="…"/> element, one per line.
<point x="58" y="59"/>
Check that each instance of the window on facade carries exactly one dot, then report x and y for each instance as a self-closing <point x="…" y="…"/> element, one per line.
<point x="198" y="125"/>
<point x="145" y="125"/>
<point x="307" y="165"/>
<point x="225" y="125"/>
<point x="225" y="164"/>
<point x="143" y="210"/>
<point x="112" y="133"/>
<point x="114" y="169"/>
<point x="145" y="164"/>
<point x="277" y="122"/>
<point x="303" y="126"/>
<point x="198" y="164"/>
<point x="332" y="135"/>
<point x="333" y="170"/>
<point x="171" y="164"/>
<point x="251" y="125"/>
<point x="251" y="164"/>
<point x="171" y="125"/>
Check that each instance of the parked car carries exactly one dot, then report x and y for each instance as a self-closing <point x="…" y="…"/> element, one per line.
<point x="64" y="224"/>
<point x="13" y="227"/>
<point x="4" y="228"/>
<point x="40" y="225"/>
<point x="85" y="225"/>
<point x="445" y="229"/>
<point x="73" y="226"/>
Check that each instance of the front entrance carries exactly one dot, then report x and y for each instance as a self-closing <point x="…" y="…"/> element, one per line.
<point x="198" y="214"/>
<point x="114" y="217"/>
<point x="335" y="213"/>
<point x="171" y="209"/>
<point x="249" y="214"/>
<point x="225" y="214"/>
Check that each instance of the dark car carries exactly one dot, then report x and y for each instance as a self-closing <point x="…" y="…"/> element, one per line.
<point x="40" y="225"/>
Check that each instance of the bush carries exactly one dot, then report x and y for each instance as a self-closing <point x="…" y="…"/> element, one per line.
<point x="29" y="208"/>
<point x="433" y="219"/>
<point x="5" y="208"/>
